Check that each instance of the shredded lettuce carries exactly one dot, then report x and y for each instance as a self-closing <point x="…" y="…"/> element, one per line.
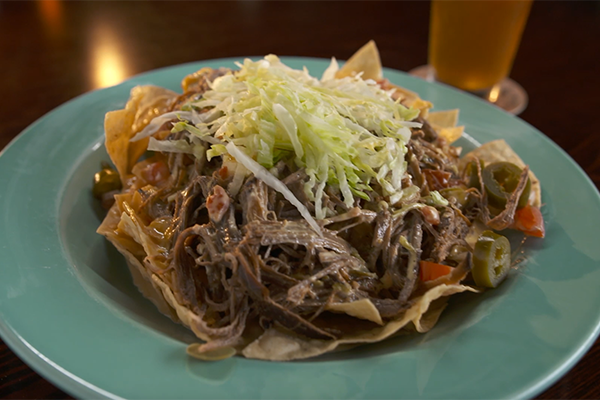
<point x="170" y="146"/>
<point x="157" y="122"/>
<point x="346" y="133"/>
<point x="275" y="112"/>
<point x="406" y="196"/>
<point x="412" y="256"/>
<point x="199" y="131"/>
<point x="215" y="151"/>
<point x="435" y="199"/>
<point x="404" y="210"/>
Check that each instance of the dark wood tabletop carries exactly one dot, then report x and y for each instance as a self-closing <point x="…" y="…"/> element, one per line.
<point x="52" y="51"/>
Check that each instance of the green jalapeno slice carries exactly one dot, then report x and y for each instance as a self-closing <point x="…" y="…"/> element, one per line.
<point x="106" y="180"/>
<point x="500" y="180"/>
<point x="491" y="259"/>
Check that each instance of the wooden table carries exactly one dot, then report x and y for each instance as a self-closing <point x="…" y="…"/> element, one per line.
<point x="52" y="51"/>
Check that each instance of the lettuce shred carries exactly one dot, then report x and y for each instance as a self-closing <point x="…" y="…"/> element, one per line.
<point x="346" y="133"/>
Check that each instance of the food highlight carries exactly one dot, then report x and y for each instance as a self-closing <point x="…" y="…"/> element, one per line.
<point x="280" y="216"/>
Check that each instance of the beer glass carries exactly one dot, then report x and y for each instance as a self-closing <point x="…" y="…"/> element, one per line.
<point x="472" y="46"/>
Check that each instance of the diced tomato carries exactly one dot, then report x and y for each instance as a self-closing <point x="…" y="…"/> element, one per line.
<point x="529" y="220"/>
<point x="430" y="270"/>
<point x="155" y="172"/>
<point x="224" y="172"/>
<point x="217" y="203"/>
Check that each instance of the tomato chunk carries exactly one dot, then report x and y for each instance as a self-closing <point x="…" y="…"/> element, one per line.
<point x="155" y="172"/>
<point x="530" y="221"/>
<point x="430" y="270"/>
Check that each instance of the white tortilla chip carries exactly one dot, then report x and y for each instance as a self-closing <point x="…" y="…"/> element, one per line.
<point x="193" y="78"/>
<point x="363" y="309"/>
<point x="141" y="276"/>
<point x="277" y="346"/>
<point x="445" y="124"/>
<point x="431" y="317"/>
<point x="444" y="119"/>
<point x="221" y="353"/>
<point x="186" y="316"/>
<point x="365" y="60"/>
<point x="450" y="134"/>
<point x="409" y="99"/>
<point x="149" y="284"/>
<point x="145" y="103"/>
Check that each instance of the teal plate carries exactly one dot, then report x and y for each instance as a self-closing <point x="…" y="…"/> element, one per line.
<point x="69" y="309"/>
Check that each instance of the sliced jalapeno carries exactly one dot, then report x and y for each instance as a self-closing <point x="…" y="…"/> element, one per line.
<point x="491" y="259"/>
<point x="106" y="180"/>
<point x="500" y="180"/>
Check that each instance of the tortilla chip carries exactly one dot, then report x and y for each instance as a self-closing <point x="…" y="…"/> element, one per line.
<point x="431" y="317"/>
<point x="365" y="60"/>
<point x="218" y="354"/>
<point x="185" y="315"/>
<point x="422" y="105"/>
<point x="451" y="135"/>
<point x="117" y="127"/>
<point x="145" y="103"/>
<point x="141" y="277"/>
<point x="149" y="284"/>
<point x="409" y="99"/>
<point x="444" y="119"/>
<point x="363" y="309"/>
<point x="278" y="346"/>
<point x="444" y="123"/>
<point x="499" y="150"/>
<point x="275" y="345"/>
<point x="192" y="79"/>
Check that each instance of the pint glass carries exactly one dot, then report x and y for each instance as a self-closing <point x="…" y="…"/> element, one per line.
<point x="472" y="44"/>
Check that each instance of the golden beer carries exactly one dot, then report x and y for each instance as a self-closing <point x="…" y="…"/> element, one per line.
<point x="472" y="44"/>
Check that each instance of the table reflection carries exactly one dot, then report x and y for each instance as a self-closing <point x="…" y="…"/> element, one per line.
<point x="108" y="64"/>
<point x="52" y="15"/>
<point x="102" y="40"/>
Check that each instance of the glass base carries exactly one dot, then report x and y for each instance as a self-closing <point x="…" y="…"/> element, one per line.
<point x="508" y="94"/>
